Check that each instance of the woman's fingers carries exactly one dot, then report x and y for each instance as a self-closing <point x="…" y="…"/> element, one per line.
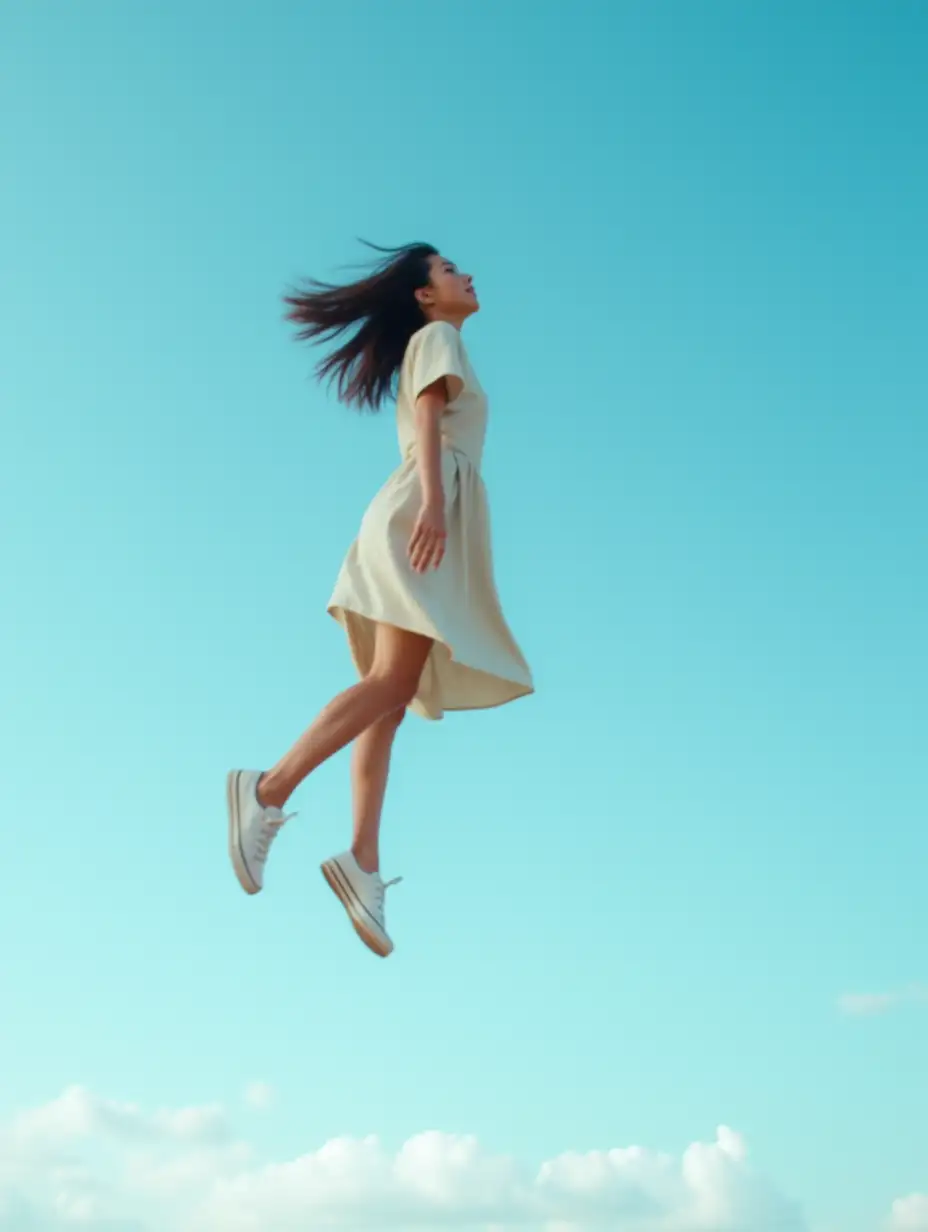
<point x="431" y="558"/>
<point x="426" y="547"/>
<point x="418" y="546"/>
<point x="412" y="547"/>
<point x="417" y="541"/>
<point x="424" y="555"/>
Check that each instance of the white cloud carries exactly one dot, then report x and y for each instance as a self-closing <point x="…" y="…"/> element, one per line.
<point x="259" y="1095"/>
<point x="864" y="1004"/>
<point x="79" y="1114"/>
<point x="82" y="1162"/>
<point x="910" y="1214"/>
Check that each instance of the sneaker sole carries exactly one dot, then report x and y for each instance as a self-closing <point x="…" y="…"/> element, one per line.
<point x="341" y="888"/>
<point x="245" y="879"/>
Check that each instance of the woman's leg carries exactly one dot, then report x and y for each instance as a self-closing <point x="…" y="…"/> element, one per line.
<point x="370" y="766"/>
<point x="391" y="683"/>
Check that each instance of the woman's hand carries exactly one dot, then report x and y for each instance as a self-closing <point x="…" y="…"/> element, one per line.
<point x="428" y="538"/>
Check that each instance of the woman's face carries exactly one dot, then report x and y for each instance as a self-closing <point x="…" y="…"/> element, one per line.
<point x="450" y="294"/>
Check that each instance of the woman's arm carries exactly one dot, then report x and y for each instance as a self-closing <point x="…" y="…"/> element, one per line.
<point x="430" y="406"/>
<point x="427" y="542"/>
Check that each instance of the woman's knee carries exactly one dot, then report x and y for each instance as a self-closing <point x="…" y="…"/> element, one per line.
<point x="399" y="661"/>
<point x="396" y="688"/>
<point x="400" y="688"/>
<point x="394" y="718"/>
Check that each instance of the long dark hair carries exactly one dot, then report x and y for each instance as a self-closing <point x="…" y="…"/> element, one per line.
<point x="383" y="307"/>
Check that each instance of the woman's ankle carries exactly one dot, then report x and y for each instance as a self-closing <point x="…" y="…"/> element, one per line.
<point x="368" y="859"/>
<point x="271" y="793"/>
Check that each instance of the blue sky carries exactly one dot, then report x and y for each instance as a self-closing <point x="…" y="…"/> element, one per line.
<point x="631" y="904"/>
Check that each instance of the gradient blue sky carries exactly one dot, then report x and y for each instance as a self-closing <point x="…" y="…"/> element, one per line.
<point x="631" y="903"/>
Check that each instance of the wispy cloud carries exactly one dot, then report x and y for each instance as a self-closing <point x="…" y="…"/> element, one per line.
<point x="259" y="1096"/>
<point x="77" y="1115"/>
<point x="867" y="1004"/>
<point x="910" y="1214"/>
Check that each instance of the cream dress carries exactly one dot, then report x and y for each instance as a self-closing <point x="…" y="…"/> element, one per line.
<point x="475" y="662"/>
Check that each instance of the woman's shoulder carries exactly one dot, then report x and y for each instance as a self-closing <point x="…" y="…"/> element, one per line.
<point x="442" y="332"/>
<point x="435" y="350"/>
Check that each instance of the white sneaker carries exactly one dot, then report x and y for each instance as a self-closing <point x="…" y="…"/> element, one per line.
<point x="361" y="895"/>
<point x="252" y="828"/>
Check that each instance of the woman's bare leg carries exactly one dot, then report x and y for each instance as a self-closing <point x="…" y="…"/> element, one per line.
<point x="370" y="767"/>
<point x="399" y="657"/>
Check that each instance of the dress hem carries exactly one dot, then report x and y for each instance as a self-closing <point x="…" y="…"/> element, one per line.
<point x="521" y="688"/>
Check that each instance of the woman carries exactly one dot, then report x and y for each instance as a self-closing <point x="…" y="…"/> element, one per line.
<point x="416" y="595"/>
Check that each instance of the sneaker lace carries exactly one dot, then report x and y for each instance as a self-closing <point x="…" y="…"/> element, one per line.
<point x="268" y="831"/>
<point x="379" y="888"/>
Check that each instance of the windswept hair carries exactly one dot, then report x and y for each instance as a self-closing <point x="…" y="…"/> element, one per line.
<point x="384" y="311"/>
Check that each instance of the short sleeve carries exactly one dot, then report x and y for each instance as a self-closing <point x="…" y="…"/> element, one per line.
<point x="438" y="354"/>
